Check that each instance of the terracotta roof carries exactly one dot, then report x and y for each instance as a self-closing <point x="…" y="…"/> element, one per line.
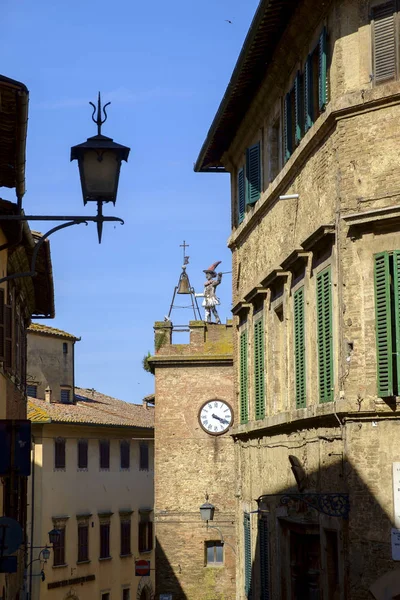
<point x="92" y="408"/>
<point x="46" y="330"/>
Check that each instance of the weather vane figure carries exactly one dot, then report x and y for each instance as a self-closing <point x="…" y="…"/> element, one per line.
<point x="211" y="301"/>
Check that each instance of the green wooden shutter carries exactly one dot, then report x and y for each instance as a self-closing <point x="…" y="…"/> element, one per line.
<point x="259" y="381"/>
<point x="299" y="110"/>
<point x="322" y="75"/>
<point x="247" y="555"/>
<point x="324" y="335"/>
<point x="384" y="345"/>
<point x="396" y="288"/>
<point x="244" y="408"/>
<point x="299" y="348"/>
<point x="253" y="174"/>
<point x="241" y="195"/>
<point x="308" y="94"/>
<point x="287" y="128"/>
<point x="384" y="41"/>
<point x="263" y="540"/>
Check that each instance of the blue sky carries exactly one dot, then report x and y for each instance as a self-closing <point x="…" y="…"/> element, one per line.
<point x="164" y="66"/>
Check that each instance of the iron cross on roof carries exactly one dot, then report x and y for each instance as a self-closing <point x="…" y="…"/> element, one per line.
<point x="185" y="258"/>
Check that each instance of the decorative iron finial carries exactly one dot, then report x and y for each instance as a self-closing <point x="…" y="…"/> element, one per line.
<point x="185" y="258"/>
<point x="98" y="120"/>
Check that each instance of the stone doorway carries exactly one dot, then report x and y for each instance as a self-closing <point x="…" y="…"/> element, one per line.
<point x="305" y="566"/>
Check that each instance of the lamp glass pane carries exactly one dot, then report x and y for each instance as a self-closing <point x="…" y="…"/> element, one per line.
<point x="210" y="553"/>
<point x="100" y="176"/>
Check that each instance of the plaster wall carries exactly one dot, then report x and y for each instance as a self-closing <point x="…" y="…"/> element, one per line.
<point x="49" y="366"/>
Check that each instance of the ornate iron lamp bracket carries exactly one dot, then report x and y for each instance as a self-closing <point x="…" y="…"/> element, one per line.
<point x="332" y="504"/>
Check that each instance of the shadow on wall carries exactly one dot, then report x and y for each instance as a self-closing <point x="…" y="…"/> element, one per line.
<point x="170" y="582"/>
<point x="302" y="553"/>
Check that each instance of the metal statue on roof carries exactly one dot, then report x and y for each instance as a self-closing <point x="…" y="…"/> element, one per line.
<point x="211" y="301"/>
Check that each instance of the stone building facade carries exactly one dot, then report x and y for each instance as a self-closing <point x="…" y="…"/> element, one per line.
<point x="193" y="561"/>
<point x="309" y="129"/>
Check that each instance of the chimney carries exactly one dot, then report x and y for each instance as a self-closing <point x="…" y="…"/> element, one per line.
<point x="47" y="395"/>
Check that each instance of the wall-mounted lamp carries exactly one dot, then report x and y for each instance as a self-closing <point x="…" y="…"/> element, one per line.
<point x="207" y="511"/>
<point x="289" y="197"/>
<point x="99" y="160"/>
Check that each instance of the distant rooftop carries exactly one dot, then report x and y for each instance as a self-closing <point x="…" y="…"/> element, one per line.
<point x="52" y="331"/>
<point x="92" y="407"/>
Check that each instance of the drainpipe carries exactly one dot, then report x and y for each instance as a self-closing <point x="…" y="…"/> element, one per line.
<point x="32" y="515"/>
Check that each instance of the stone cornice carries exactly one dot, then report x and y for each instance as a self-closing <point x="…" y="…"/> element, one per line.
<point x="192" y="360"/>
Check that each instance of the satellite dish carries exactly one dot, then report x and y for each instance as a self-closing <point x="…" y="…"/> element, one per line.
<point x="10" y="536"/>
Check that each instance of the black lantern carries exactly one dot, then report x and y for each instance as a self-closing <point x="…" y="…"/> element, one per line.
<point x="54" y="536"/>
<point x="99" y="160"/>
<point x="207" y="511"/>
<point x="45" y="553"/>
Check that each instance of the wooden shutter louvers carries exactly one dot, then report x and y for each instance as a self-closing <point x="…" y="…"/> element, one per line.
<point x="299" y="348"/>
<point x="384" y="41"/>
<point x="324" y="335"/>
<point x="259" y="383"/>
<point x="241" y="196"/>
<point x="253" y="174"/>
<point x="244" y="409"/>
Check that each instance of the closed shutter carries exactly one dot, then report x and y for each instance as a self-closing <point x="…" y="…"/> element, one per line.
<point x="59" y="453"/>
<point x="287" y="127"/>
<point x="299" y="348"/>
<point x="83" y="542"/>
<point x="396" y="290"/>
<point x="322" y="75"/>
<point x="241" y="200"/>
<point x="324" y="335"/>
<point x="82" y="454"/>
<point x="384" y="41"/>
<point x="259" y="383"/>
<point x="253" y="174"/>
<point x="299" y="110"/>
<point x="125" y="538"/>
<point x="125" y="451"/>
<point x="104" y="454"/>
<point x="263" y="537"/>
<point x="104" y="540"/>
<point x="384" y="344"/>
<point x="308" y="94"/>
<point x="2" y="325"/>
<point x="8" y="348"/>
<point x="144" y="457"/>
<point x="247" y="555"/>
<point x="244" y="409"/>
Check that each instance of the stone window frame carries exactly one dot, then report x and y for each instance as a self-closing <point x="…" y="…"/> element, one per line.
<point x="60" y="523"/>
<point x="213" y="564"/>
<point x="145" y="530"/>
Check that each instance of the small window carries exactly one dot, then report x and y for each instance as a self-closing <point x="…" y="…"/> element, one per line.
<point x="59" y="548"/>
<point x="104" y="447"/>
<point x="105" y="596"/>
<point x="59" y="453"/>
<point x="65" y="396"/>
<point x="145" y="532"/>
<point x="214" y="553"/>
<point x="144" y="457"/>
<point x="65" y="348"/>
<point x="125" y="537"/>
<point x="125" y="457"/>
<point x="31" y="390"/>
<point x="105" y="540"/>
<point x="83" y="542"/>
<point x="126" y="594"/>
<point x="82" y="454"/>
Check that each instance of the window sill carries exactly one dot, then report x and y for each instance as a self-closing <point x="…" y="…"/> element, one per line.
<point x="124" y="470"/>
<point x="82" y="469"/>
<point x="145" y="551"/>
<point x="125" y="555"/>
<point x="214" y="566"/>
<point x="104" y="469"/>
<point x="83" y="562"/>
<point x="60" y="566"/>
<point x="105" y="558"/>
<point x="62" y="469"/>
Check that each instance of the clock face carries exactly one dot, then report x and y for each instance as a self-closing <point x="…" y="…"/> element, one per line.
<point x="215" y="417"/>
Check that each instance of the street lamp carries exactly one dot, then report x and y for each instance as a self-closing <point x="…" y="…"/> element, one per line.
<point x="207" y="511"/>
<point x="43" y="556"/>
<point x="54" y="536"/>
<point x="99" y="160"/>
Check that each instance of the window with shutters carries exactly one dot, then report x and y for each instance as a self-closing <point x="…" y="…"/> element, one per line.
<point x="144" y="457"/>
<point x="125" y="454"/>
<point x="241" y="196"/>
<point x="385" y="34"/>
<point x="247" y="556"/>
<point x="259" y="378"/>
<point x="325" y="336"/>
<point x="59" y="453"/>
<point x="315" y="82"/>
<point x="82" y="454"/>
<point x="274" y="149"/>
<point x="289" y="123"/>
<point x="105" y="540"/>
<point x="299" y="348"/>
<point x="387" y="326"/>
<point x="214" y="552"/>
<point x="59" y="548"/>
<point x="31" y="390"/>
<point x="83" y="542"/>
<point x="253" y="174"/>
<point x="145" y="533"/>
<point x="104" y="451"/>
<point x="125" y="528"/>
<point x="65" y="396"/>
<point x="244" y="407"/>
<point x="263" y="540"/>
<point x="65" y="348"/>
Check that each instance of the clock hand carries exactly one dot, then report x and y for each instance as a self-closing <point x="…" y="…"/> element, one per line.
<point x="219" y="419"/>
